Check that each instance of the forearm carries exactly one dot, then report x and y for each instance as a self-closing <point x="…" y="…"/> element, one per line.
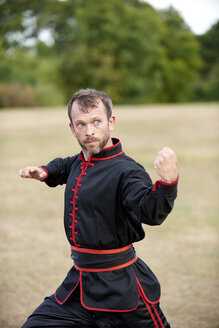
<point x="57" y="171"/>
<point x="54" y="173"/>
<point x="159" y="202"/>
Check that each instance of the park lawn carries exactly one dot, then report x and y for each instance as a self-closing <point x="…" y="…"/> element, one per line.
<point x="183" y="252"/>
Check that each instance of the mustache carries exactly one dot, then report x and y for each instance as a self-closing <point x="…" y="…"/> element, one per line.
<point x="90" y="139"/>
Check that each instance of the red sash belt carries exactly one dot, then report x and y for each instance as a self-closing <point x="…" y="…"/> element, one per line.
<point x="95" y="260"/>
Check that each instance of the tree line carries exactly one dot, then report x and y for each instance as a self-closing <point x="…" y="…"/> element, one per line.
<point x="126" y="48"/>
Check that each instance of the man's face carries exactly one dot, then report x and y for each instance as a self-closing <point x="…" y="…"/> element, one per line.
<point x="92" y="128"/>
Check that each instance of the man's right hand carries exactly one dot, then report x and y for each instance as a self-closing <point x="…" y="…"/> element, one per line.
<point x="33" y="172"/>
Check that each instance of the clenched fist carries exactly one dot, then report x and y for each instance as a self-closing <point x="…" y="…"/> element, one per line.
<point x="165" y="165"/>
<point x="33" y="172"/>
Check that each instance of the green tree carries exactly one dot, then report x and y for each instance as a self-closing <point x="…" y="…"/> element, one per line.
<point x="131" y="51"/>
<point x="208" y="86"/>
<point x="123" y="47"/>
<point x="180" y="63"/>
<point x="115" y="46"/>
<point x="24" y="63"/>
<point x="210" y="47"/>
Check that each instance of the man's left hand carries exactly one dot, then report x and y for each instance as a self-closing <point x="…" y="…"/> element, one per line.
<point x="165" y="165"/>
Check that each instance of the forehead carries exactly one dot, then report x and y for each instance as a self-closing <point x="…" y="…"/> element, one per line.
<point x="77" y="112"/>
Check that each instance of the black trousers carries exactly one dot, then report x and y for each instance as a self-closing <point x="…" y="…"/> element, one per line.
<point x="72" y="314"/>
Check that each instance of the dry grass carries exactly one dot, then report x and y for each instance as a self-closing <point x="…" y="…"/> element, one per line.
<point x="183" y="252"/>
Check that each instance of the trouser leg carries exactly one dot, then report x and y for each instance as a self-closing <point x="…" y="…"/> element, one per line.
<point x="150" y="316"/>
<point x="72" y="314"/>
<point x="53" y="315"/>
<point x="50" y="314"/>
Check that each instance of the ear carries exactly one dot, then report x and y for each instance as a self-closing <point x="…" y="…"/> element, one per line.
<point x="112" y="122"/>
<point x="72" y="129"/>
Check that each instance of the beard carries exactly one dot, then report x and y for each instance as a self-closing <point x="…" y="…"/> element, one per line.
<point x="92" y="149"/>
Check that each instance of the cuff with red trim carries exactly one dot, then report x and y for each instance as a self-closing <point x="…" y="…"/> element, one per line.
<point x="159" y="182"/>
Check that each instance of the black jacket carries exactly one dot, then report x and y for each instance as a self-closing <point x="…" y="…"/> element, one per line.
<point x="106" y="201"/>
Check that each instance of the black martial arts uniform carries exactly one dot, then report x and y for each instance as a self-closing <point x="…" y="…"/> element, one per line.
<point x="107" y="198"/>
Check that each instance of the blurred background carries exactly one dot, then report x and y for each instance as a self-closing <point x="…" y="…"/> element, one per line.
<point x="132" y="51"/>
<point x="160" y="65"/>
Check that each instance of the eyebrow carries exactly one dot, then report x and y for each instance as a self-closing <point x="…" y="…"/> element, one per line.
<point x="93" y="119"/>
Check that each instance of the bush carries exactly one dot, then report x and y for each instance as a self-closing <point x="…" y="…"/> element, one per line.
<point x="16" y="95"/>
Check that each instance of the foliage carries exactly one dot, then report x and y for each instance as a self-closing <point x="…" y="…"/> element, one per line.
<point x="180" y="63"/>
<point x="132" y="52"/>
<point x="123" y="47"/>
<point x="210" y="47"/>
<point x="208" y="87"/>
<point x="113" y="50"/>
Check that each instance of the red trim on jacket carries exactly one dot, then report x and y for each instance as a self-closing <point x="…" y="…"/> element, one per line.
<point x="61" y="303"/>
<point x="98" y="309"/>
<point x="121" y="266"/>
<point x="143" y="294"/>
<point x="104" y="158"/>
<point x="101" y="251"/>
<point x="92" y="158"/>
<point x="84" y="167"/>
<point x="114" y="145"/>
<point x="158" y="182"/>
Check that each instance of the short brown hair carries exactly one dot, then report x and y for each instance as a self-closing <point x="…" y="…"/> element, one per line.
<point x="89" y="98"/>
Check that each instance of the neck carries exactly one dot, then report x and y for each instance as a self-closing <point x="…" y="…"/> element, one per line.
<point x="87" y="156"/>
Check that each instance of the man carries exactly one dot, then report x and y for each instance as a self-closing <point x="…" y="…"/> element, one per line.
<point x="107" y="198"/>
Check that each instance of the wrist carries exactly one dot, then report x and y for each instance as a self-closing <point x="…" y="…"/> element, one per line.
<point x="170" y="180"/>
<point x="45" y="175"/>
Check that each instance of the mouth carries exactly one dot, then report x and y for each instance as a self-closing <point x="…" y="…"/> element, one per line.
<point x="91" y="141"/>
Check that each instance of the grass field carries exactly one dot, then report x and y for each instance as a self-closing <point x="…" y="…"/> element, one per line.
<point x="183" y="252"/>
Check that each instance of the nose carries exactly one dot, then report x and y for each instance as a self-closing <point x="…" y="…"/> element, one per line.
<point x="89" y="130"/>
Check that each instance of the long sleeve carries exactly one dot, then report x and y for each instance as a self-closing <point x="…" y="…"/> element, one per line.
<point x="147" y="202"/>
<point x="58" y="170"/>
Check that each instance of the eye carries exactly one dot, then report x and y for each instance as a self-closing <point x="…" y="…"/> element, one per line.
<point x="97" y="122"/>
<point x="80" y="125"/>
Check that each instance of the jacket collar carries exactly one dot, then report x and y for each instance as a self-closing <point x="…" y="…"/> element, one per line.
<point x="106" y="153"/>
